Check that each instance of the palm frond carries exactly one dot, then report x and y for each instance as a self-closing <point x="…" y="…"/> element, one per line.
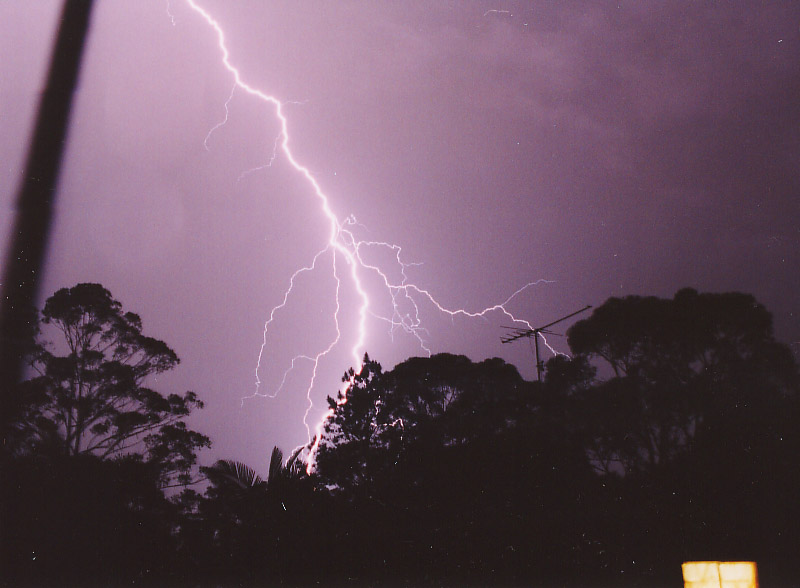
<point x="238" y="473"/>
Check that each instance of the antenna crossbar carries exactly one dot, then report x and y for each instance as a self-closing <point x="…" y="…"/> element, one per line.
<point x="517" y="333"/>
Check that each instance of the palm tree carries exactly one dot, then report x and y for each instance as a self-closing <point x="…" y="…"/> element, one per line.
<point x="237" y="475"/>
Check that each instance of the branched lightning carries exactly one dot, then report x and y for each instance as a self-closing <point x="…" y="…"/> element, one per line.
<point x="342" y="245"/>
<point x="222" y="122"/>
<point x="272" y="159"/>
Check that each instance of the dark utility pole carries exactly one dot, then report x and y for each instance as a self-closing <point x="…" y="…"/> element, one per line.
<point x="22" y="271"/>
<point x="536" y="333"/>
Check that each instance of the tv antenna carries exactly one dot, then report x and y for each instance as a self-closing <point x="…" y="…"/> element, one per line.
<point x="517" y="333"/>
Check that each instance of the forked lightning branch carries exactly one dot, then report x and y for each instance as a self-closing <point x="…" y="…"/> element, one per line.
<point x="343" y="254"/>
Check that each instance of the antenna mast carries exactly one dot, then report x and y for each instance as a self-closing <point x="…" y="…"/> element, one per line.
<point x="517" y="333"/>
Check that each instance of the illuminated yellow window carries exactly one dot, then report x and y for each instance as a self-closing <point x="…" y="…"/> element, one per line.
<point x="720" y="574"/>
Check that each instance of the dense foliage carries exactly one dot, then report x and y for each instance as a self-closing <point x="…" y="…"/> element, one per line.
<point x="670" y="434"/>
<point x="90" y="394"/>
<point x="91" y="448"/>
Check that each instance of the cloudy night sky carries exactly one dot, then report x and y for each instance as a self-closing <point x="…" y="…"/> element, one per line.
<point x="604" y="148"/>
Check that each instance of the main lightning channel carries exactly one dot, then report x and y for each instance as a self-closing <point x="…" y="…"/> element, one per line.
<point x="342" y="242"/>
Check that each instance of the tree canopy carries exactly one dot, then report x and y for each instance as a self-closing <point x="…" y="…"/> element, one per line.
<point x="441" y="401"/>
<point x="670" y="433"/>
<point x="92" y="449"/>
<point x="451" y="456"/>
<point x="90" y="392"/>
<point x="683" y="369"/>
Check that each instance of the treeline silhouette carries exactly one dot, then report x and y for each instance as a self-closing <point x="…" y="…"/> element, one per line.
<point x="670" y="434"/>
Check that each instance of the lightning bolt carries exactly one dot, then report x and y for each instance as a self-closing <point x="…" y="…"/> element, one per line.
<point x="169" y="13"/>
<point x="342" y="243"/>
<point x="223" y="122"/>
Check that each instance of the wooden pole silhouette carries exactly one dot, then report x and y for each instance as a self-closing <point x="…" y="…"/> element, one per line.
<point x="34" y="205"/>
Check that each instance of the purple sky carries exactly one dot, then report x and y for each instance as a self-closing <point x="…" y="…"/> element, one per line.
<point x="611" y="148"/>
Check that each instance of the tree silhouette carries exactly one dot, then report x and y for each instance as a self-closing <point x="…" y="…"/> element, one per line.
<point x="683" y="368"/>
<point x="669" y="435"/>
<point x="247" y="529"/>
<point x="92" y="450"/>
<point x="89" y="394"/>
<point x="235" y="474"/>
<point x="357" y="437"/>
<point x="694" y="424"/>
<point x="456" y="472"/>
<point x="445" y="400"/>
